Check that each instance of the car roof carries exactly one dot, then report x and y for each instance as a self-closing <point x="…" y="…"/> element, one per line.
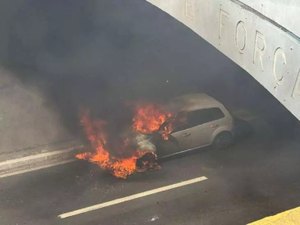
<point x="191" y="102"/>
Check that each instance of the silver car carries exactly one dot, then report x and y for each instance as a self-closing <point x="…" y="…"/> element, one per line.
<point x="199" y="121"/>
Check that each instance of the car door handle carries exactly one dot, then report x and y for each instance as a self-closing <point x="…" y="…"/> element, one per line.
<point x="186" y="134"/>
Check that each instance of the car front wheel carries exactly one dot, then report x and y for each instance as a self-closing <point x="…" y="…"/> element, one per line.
<point x="223" y="140"/>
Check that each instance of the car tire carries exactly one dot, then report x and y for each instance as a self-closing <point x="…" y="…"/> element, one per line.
<point x="147" y="162"/>
<point x="223" y="140"/>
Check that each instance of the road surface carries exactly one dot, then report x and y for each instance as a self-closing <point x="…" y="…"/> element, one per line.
<point x="257" y="177"/>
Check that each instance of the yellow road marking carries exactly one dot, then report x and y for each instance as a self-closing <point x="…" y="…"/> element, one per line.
<point x="289" y="217"/>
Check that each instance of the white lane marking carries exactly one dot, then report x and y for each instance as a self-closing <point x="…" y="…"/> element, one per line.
<point x="36" y="168"/>
<point x="131" y="197"/>
<point x="37" y="161"/>
<point x="36" y="156"/>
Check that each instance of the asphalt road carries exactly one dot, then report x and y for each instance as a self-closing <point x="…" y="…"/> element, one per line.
<point x="257" y="177"/>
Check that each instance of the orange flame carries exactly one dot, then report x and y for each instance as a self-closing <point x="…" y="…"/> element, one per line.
<point x="147" y="119"/>
<point x="95" y="133"/>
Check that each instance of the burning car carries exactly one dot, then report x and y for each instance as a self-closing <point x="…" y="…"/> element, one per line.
<point x="186" y="123"/>
<point x="135" y="148"/>
<point x="199" y="120"/>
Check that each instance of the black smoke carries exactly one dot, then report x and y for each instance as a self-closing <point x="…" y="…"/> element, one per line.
<point x="102" y="54"/>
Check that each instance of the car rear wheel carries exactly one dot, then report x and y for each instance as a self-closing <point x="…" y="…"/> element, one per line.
<point x="223" y="140"/>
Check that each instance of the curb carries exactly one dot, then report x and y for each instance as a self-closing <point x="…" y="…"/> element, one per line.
<point x="289" y="217"/>
<point x="38" y="161"/>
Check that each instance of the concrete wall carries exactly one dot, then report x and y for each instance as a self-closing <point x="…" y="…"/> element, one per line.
<point x="28" y="122"/>
<point x="260" y="36"/>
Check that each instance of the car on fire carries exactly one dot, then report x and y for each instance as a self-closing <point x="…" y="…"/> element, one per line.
<point x="184" y="124"/>
<point x="198" y="120"/>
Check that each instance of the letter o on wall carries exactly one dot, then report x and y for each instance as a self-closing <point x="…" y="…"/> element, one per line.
<point x="240" y="36"/>
<point x="279" y="65"/>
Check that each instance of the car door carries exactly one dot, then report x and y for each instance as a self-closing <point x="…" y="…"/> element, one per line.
<point x="209" y="121"/>
<point x="194" y="133"/>
<point x="175" y="142"/>
<point x="201" y="124"/>
<point x="184" y="131"/>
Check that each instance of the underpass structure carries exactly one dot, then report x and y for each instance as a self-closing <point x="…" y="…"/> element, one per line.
<point x="260" y="36"/>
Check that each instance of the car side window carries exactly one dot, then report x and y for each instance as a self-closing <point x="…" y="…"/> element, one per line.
<point x="202" y="116"/>
<point x="180" y="122"/>
<point x="187" y="120"/>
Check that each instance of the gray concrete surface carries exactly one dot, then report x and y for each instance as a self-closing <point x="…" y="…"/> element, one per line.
<point x="257" y="177"/>
<point x="32" y="135"/>
<point x="28" y="123"/>
<point x="244" y="31"/>
<point x="284" y="13"/>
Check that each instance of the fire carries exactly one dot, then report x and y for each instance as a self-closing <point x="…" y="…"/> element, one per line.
<point x="166" y="131"/>
<point x="95" y="132"/>
<point x="147" y="119"/>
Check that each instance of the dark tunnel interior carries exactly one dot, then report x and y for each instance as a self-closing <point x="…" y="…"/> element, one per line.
<point x="101" y="55"/>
